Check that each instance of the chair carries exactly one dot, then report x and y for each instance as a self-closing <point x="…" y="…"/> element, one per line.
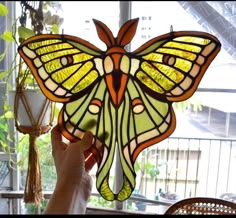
<point x="202" y="205"/>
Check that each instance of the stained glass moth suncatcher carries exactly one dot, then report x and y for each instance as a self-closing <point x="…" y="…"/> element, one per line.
<point x="124" y="98"/>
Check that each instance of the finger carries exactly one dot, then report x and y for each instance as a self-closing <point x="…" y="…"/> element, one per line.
<point x="86" y="141"/>
<point x="56" y="139"/>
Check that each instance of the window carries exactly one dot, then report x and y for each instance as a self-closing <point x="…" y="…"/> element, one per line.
<point x="157" y="18"/>
<point x="81" y="24"/>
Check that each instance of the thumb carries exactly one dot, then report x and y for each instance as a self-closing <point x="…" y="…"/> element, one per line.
<point x="86" y="141"/>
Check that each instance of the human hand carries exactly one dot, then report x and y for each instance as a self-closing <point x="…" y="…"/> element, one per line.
<point x="72" y="160"/>
<point x="74" y="184"/>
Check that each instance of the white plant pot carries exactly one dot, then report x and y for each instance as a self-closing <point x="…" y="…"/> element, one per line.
<point x="36" y="101"/>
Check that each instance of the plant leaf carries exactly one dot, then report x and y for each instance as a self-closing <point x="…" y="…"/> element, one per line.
<point x="3" y="74"/>
<point x="154" y="172"/>
<point x="2" y="55"/>
<point x="9" y="115"/>
<point x="7" y="36"/>
<point x="55" y="28"/>
<point x="3" y="10"/>
<point x="25" y="33"/>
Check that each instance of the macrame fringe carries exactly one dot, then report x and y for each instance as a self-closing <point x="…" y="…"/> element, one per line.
<point x="33" y="186"/>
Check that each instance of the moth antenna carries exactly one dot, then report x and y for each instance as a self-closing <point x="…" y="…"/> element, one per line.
<point x="171" y="28"/>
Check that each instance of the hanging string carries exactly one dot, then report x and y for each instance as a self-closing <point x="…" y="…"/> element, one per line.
<point x="33" y="186"/>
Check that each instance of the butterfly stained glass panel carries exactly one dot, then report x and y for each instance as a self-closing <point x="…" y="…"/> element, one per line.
<point x="124" y="98"/>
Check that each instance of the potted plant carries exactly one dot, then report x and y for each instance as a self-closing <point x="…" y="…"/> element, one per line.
<point x="36" y="122"/>
<point x="20" y="32"/>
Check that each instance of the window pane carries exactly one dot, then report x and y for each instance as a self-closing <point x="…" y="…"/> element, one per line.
<point x="157" y="17"/>
<point x="174" y="157"/>
<point x="78" y="18"/>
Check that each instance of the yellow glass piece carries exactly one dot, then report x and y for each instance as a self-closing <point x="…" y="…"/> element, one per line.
<point x="125" y="191"/>
<point x="183" y="65"/>
<point x="35" y="45"/>
<point x="57" y="54"/>
<point x="148" y="82"/>
<point x="52" y="48"/>
<point x="53" y="65"/>
<point x="183" y="46"/>
<point x="65" y="73"/>
<point x="184" y="54"/>
<point x="169" y="72"/>
<point x="192" y="39"/>
<point x="164" y="77"/>
<point x="81" y="57"/>
<point x="86" y="81"/>
<point x="77" y="74"/>
<point x="154" y="57"/>
<point x="105" y="191"/>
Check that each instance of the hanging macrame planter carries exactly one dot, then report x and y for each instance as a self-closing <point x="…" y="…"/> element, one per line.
<point x="33" y="111"/>
<point x="34" y="116"/>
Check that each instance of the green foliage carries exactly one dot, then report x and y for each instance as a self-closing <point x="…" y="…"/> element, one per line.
<point x="191" y="102"/>
<point x="5" y="138"/>
<point x="3" y="133"/>
<point x="98" y="201"/>
<point x="7" y="36"/>
<point x="48" y="171"/>
<point x="32" y="209"/>
<point x="25" y="33"/>
<point x="3" y="74"/>
<point x="152" y="170"/>
<point x="146" y="168"/>
<point x="55" y="28"/>
<point x="3" y="54"/>
<point x="149" y="168"/>
<point x="14" y="35"/>
<point x="51" y="24"/>
<point x="3" y="10"/>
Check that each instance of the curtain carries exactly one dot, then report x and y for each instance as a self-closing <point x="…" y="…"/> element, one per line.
<point x="218" y="18"/>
